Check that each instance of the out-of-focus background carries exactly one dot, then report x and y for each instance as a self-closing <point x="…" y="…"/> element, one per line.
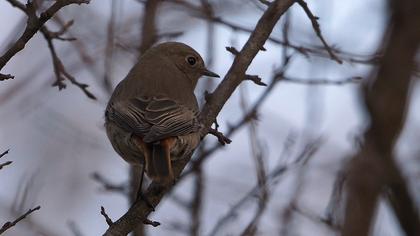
<point x="57" y="140"/>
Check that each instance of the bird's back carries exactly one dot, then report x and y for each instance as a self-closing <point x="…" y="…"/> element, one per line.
<point x="158" y="77"/>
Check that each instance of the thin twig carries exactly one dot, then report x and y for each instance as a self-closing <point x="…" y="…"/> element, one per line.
<point x="107" y="219"/>
<point x="60" y="71"/>
<point x="220" y="136"/>
<point x="317" y="28"/>
<point x="108" y="186"/>
<point x="4" y="153"/>
<point x="9" y="224"/>
<point x="34" y="24"/>
<point x="273" y="177"/>
<point x="5" y="164"/>
<point x="6" y="77"/>
<point x="256" y="79"/>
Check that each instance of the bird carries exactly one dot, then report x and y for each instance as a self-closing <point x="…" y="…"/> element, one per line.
<point x="152" y="116"/>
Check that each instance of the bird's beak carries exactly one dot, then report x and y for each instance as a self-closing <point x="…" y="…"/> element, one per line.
<point x="210" y="73"/>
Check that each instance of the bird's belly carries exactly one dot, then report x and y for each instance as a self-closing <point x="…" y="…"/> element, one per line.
<point x="123" y="144"/>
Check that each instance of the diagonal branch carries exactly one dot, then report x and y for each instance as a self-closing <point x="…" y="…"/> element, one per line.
<point x="10" y="224"/>
<point x="34" y="25"/>
<point x="317" y="28"/>
<point x="139" y="211"/>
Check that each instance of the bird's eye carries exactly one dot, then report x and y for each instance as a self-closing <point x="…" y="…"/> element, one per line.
<point x="191" y="60"/>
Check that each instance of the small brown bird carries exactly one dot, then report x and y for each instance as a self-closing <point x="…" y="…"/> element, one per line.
<point x="152" y="116"/>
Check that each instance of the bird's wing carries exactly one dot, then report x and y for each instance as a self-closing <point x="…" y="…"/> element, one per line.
<point x="153" y="118"/>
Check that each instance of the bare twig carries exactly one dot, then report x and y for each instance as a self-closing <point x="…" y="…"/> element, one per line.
<point x="34" y="24"/>
<point x="59" y="69"/>
<point x="249" y="116"/>
<point x="10" y="224"/>
<point x="220" y="136"/>
<point x="258" y="157"/>
<point x="232" y="50"/>
<point x="4" y="153"/>
<point x="273" y="177"/>
<point x="317" y="28"/>
<point x="108" y="186"/>
<point x="150" y="222"/>
<point x="256" y="79"/>
<point x="304" y="50"/>
<point x="5" y="164"/>
<point x="107" y="219"/>
<point x="6" y="77"/>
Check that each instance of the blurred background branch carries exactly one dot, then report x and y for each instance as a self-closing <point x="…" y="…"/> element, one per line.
<point x="309" y="153"/>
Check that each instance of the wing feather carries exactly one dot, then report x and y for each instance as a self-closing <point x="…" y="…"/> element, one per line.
<point x="153" y="118"/>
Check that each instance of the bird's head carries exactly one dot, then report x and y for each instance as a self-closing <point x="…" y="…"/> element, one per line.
<point x="186" y="59"/>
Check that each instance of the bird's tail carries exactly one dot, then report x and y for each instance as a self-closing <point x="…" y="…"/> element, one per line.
<point x="161" y="160"/>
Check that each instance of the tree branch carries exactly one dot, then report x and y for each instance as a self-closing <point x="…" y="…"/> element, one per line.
<point x="317" y="28"/>
<point x="386" y="102"/>
<point x="34" y="25"/>
<point x="155" y="192"/>
<point x="9" y="224"/>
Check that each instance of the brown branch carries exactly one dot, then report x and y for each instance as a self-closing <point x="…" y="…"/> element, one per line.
<point x="107" y="219"/>
<point x="249" y="116"/>
<point x="4" y="153"/>
<point x="304" y="50"/>
<point x="258" y="157"/>
<point x="155" y="192"/>
<point x="220" y="136"/>
<point x="108" y="186"/>
<point x="5" y="164"/>
<point x="317" y="28"/>
<point x="59" y="69"/>
<point x="241" y="62"/>
<point x="256" y="79"/>
<point x="272" y="178"/>
<point x="34" y="24"/>
<point x="373" y="169"/>
<point x="150" y="222"/>
<point x="232" y="50"/>
<point x="9" y="224"/>
<point x="6" y="77"/>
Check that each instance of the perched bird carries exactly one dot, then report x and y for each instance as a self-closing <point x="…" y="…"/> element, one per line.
<point x="152" y="115"/>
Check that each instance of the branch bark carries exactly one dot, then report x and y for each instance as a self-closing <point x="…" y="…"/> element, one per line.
<point x="34" y="25"/>
<point x="155" y="192"/>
